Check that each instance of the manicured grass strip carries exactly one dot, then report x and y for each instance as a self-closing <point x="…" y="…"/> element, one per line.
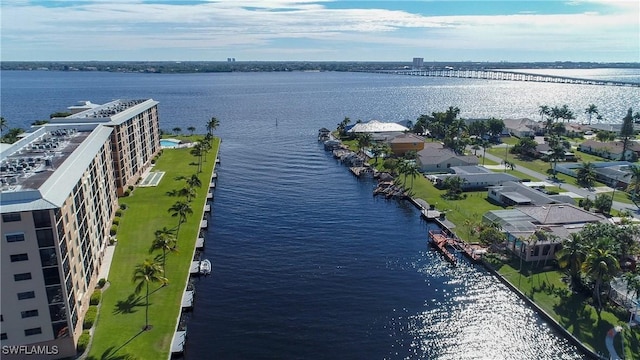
<point x="572" y="310"/>
<point x="118" y="332"/>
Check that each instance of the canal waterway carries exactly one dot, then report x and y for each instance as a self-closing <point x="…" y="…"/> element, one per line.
<point x="307" y="264"/>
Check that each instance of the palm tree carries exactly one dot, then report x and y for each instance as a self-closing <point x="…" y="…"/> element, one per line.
<point x="187" y="192"/>
<point x="143" y="274"/>
<point x="635" y="176"/>
<point x="177" y="130"/>
<point x="590" y="110"/>
<point x="198" y="152"/>
<point x="364" y="140"/>
<point x="212" y="125"/>
<point x="164" y="240"/>
<point x="572" y="255"/>
<point x="194" y="181"/>
<point x="3" y="124"/>
<point x="411" y="170"/>
<point x="191" y="129"/>
<point x="586" y="175"/>
<point x="600" y="265"/>
<point x="180" y="210"/>
<point x="544" y="110"/>
<point x="376" y="151"/>
<point x="206" y="145"/>
<point x="626" y="133"/>
<point x="485" y="145"/>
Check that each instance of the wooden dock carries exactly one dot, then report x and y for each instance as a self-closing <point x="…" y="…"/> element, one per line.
<point x="440" y="241"/>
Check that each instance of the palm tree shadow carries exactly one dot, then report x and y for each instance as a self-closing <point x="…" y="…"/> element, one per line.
<point x="127" y="306"/>
<point x="110" y="353"/>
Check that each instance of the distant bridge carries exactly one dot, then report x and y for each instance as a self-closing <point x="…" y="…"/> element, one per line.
<point x="507" y="75"/>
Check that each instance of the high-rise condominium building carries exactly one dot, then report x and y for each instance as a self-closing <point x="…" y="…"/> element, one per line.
<point x="418" y="63"/>
<point x="58" y="196"/>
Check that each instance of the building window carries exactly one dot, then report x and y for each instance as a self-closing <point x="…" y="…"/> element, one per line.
<point x="26" y="295"/>
<point x="48" y="257"/>
<point x="11" y="217"/>
<point x="3" y="336"/>
<point x="21" y="277"/>
<point x="29" y="313"/>
<point x="19" y="257"/>
<point x="45" y="238"/>
<point x="32" y="331"/>
<point x="41" y="218"/>
<point x="51" y="276"/>
<point x="14" y="237"/>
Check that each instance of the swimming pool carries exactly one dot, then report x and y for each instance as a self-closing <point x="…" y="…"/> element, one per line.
<point x="169" y="143"/>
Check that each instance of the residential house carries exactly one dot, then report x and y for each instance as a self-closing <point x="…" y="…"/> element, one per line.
<point x="613" y="173"/>
<point x="515" y="193"/>
<point x="521" y="127"/>
<point x="544" y="151"/>
<point x="611" y="149"/>
<point x="536" y="233"/>
<point x="436" y="158"/>
<point x="375" y="126"/>
<point x="405" y="142"/>
<point x="475" y="177"/>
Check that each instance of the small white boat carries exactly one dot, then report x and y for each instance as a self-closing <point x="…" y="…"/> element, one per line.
<point x="205" y="267"/>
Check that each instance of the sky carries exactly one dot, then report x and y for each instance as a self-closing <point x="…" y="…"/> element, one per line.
<point x="320" y="30"/>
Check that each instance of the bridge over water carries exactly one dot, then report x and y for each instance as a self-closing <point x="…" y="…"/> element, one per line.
<point x="507" y="75"/>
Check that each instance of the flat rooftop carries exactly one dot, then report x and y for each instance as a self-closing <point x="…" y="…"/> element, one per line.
<point x="107" y="110"/>
<point x="29" y="166"/>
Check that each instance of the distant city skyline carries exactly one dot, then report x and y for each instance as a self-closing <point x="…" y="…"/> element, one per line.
<point x="320" y="30"/>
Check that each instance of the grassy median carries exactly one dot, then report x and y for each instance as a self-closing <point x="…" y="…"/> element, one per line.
<point x="118" y="331"/>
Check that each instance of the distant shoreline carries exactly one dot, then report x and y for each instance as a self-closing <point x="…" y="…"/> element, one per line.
<point x="178" y="67"/>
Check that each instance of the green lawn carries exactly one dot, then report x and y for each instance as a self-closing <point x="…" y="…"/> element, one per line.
<point x="572" y="310"/>
<point x="121" y="318"/>
<point x="465" y="213"/>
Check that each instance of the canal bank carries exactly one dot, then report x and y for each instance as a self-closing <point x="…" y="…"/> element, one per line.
<point x="117" y="332"/>
<point x="446" y="239"/>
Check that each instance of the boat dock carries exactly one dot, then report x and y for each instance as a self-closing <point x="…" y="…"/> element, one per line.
<point x="177" y="344"/>
<point x="200" y="243"/>
<point x="440" y="241"/>
<point x="187" y="300"/>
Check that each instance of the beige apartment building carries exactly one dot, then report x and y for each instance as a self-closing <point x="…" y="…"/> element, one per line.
<point x="58" y="196"/>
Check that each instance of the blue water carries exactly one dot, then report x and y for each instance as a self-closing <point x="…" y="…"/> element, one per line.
<point x="307" y="263"/>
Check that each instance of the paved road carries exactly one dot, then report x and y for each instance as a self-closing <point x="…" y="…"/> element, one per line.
<point x="584" y="192"/>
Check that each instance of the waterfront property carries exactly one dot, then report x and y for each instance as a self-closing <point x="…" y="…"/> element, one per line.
<point x="535" y="233"/>
<point x="511" y="193"/>
<point x="436" y="158"/>
<point x="377" y="127"/>
<point x="60" y="185"/>
<point x="135" y="136"/>
<point x="121" y="316"/>
<point x="403" y="143"/>
<point x="474" y="177"/>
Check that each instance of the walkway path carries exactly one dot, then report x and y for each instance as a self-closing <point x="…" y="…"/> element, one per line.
<point x="576" y="190"/>
<point x="611" y="334"/>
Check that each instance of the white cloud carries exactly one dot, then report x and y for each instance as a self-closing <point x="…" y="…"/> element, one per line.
<point x="127" y="26"/>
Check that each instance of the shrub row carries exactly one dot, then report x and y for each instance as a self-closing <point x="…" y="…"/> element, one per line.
<point x="90" y="317"/>
<point x="83" y="341"/>
<point x="95" y="297"/>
